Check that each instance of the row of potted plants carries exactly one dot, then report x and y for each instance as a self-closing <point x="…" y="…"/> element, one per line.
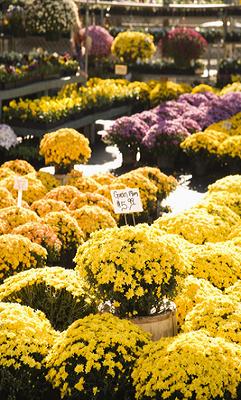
<point x="73" y="102"/>
<point x="158" y="133"/>
<point x="18" y="69"/>
<point x="127" y="271"/>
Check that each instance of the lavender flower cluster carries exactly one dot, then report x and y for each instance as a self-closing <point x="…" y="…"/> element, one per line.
<point x="169" y="123"/>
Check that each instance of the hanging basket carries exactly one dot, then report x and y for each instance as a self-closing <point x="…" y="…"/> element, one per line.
<point x="159" y="325"/>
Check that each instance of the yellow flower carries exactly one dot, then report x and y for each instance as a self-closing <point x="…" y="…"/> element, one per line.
<point x="65" y="147"/>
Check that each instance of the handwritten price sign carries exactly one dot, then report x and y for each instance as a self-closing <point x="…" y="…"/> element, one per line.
<point x="126" y="201"/>
<point x="20" y="184"/>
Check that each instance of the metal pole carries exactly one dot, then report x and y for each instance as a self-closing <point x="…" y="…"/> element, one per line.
<point x="86" y="37"/>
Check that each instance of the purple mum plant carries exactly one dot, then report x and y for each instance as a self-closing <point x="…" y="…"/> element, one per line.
<point x="165" y="137"/>
<point x="126" y="132"/>
<point x="100" y="41"/>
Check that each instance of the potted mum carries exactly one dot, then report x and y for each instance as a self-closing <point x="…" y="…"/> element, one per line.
<point x="163" y="142"/>
<point x="100" y="42"/>
<point x="184" y="45"/>
<point x="130" y="47"/>
<point x="127" y="133"/>
<point x="134" y="270"/>
<point x="63" y="148"/>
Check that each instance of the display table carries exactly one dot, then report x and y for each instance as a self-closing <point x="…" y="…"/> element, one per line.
<point x="88" y="120"/>
<point x="38" y="87"/>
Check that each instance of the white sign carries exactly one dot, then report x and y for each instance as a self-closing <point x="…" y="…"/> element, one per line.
<point x="20" y="184"/>
<point x="120" y="69"/>
<point x="126" y="201"/>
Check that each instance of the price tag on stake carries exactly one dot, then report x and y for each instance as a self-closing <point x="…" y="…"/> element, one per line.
<point x="120" y="69"/>
<point x="20" y="184"/>
<point x="126" y="201"/>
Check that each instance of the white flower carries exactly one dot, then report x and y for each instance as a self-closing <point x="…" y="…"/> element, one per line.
<point x="7" y="137"/>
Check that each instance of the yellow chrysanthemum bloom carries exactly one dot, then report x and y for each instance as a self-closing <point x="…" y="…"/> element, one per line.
<point x="26" y="337"/>
<point x="15" y="216"/>
<point x="219" y="263"/>
<point x="58" y="292"/>
<point x="28" y="255"/>
<point x="93" y="218"/>
<point x="45" y="206"/>
<point x="191" y="365"/>
<point x="95" y="353"/>
<point x="220" y="315"/>
<point x="65" y="193"/>
<point x="64" y="147"/>
<point x="132" y="46"/>
<point x="190" y="292"/>
<point x="20" y="167"/>
<point x="131" y="266"/>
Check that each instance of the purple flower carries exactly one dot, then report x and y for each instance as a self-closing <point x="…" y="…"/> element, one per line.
<point x="126" y="130"/>
<point x="149" y="117"/>
<point x="166" y="135"/>
<point x="101" y="41"/>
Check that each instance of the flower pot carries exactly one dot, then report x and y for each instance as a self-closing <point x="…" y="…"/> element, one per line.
<point x="201" y="166"/>
<point x="166" y="161"/>
<point x="234" y="165"/>
<point x="159" y="325"/>
<point x="128" y="156"/>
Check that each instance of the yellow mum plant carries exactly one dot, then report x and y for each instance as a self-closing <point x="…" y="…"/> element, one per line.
<point x="19" y="167"/>
<point x="83" y="183"/>
<point x="68" y="232"/>
<point x="26" y="337"/>
<point x="58" y="292"/>
<point x="48" y="180"/>
<point x="202" y="88"/>
<point x="220" y="210"/>
<point x="64" y="148"/>
<point x="45" y="206"/>
<point x="91" y="199"/>
<point x="15" y="216"/>
<point x="44" y="235"/>
<point x="219" y="315"/>
<point x="164" y="91"/>
<point x="195" y="225"/>
<point x="28" y="255"/>
<point x="234" y="291"/>
<point x="5" y="172"/>
<point x="203" y="143"/>
<point x="191" y="292"/>
<point x="93" y="218"/>
<point x="131" y="267"/>
<point x="35" y="191"/>
<point x="94" y="358"/>
<point x="64" y="193"/>
<point x="190" y="366"/>
<point x="165" y="184"/>
<point x="219" y="263"/>
<point x="232" y="200"/>
<point x="231" y="147"/>
<point x="229" y="184"/>
<point x="132" y="46"/>
<point x="4" y="227"/>
<point x="6" y="198"/>
<point x="104" y="178"/>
